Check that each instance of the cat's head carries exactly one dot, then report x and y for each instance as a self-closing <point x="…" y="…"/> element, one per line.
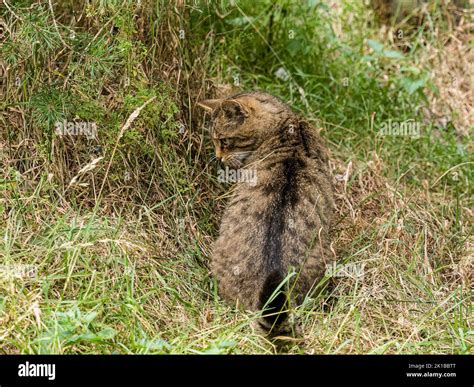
<point x="241" y="123"/>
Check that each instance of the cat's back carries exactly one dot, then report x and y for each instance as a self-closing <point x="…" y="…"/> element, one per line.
<point x="281" y="221"/>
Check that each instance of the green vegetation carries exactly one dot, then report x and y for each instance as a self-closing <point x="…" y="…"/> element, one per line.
<point x="105" y="241"/>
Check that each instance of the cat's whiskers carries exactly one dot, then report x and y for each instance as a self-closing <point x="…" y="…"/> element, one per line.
<point x="240" y="156"/>
<point x="232" y="161"/>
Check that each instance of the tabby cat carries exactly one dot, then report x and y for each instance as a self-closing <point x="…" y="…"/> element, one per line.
<point x="280" y="224"/>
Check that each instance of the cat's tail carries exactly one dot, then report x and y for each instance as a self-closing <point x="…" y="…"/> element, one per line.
<point x="275" y="308"/>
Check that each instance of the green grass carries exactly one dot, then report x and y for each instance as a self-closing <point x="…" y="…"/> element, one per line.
<point x="120" y="250"/>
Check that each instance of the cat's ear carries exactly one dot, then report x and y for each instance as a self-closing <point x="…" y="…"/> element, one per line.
<point x="234" y="109"/>
<point x="209" y="104"/>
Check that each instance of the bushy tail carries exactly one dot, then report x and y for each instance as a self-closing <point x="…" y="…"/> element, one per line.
<point x="275" y="312"/>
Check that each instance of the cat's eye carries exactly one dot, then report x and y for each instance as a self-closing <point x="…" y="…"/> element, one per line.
<point x="224" y="142"/>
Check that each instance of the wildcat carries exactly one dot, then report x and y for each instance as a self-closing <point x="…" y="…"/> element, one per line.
<point x="281" y="222"/>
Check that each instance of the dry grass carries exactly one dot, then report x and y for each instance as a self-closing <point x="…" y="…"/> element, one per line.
<point x="452" y="74"/>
